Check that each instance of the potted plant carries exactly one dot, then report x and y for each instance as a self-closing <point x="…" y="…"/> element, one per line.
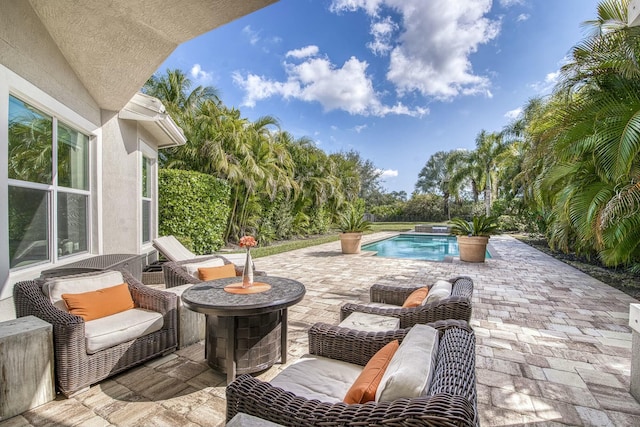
<point x="352" y="225"/>
<point x="473" y="236"/>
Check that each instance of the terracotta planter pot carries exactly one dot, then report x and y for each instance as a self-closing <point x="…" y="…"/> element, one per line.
<point x="472" y="248"/>
<point x="350" y="242"/>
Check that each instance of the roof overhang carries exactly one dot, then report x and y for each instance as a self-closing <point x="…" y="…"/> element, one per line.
<point x="152" y="116"/>
<point x="115" y="46"/>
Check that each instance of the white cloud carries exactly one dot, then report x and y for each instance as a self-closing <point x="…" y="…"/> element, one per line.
<point x="509" y="3"/>
<point x="432" y="49"/>
<point x="359" y="128"/>
<point x="387" y="173"/>
<point x="200" y="75"/>
<point x="522" y="17"/>
<point x="370" y="6"/>
<point x="513" y="114"/>
<point x="334" y="127"/>
<point x="254" y="36"/>
<point x="303" y="52"/>
<point x="382" y="31"/>
<point x="346" y="88"/>
<point x="547" y="85"/>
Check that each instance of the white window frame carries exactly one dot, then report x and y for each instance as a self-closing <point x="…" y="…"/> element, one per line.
<point x="147" y="151"/>
<point x="53" y="190"/>
<point x="12" y="84"/>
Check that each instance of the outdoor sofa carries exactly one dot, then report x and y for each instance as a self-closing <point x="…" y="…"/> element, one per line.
<point x="387" y="300"/>
<point x="448" y="399"/>
<point x="177" y="273"/>
<point x="87" y="352"/>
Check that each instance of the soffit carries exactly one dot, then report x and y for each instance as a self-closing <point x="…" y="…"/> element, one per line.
<point x="152" y="116"/>
<point x="114" y="46"/>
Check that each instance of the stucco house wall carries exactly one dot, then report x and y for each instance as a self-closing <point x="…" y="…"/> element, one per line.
<point x="28" y="50"/>
<point x="82" y="63"/>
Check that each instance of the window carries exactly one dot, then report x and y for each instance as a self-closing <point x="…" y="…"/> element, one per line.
<point x="147" y="211"/>
<point x="48" y="165"/>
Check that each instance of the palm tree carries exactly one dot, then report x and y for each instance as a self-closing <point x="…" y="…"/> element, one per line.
<point x="489" y="148"/>
<point x="585" y="144"/>
<point x="435" y="177"/>
<point x="174" y="90"/>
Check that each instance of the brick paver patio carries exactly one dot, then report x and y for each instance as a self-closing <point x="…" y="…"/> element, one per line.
<point x="553" y="344"/>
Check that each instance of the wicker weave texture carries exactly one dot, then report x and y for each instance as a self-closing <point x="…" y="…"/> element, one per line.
<point x="450" y="401"/>
<point x="74" y="368"/>
<point x="457" y="306"/>
<point x="176" y="275"/>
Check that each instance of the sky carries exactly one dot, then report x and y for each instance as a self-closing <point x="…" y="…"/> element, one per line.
<point x="395" y="80"/>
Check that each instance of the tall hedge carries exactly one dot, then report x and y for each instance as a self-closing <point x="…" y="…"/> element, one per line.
<point x="194" y="207"/>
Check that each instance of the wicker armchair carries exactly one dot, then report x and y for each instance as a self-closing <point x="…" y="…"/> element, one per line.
<point x="451" y="399"/>
<point x="176" y="275"/>
<point x="457" y="306"/>
<point x="75" y="369"/>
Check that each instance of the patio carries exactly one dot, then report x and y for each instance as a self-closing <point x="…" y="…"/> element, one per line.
<point x="553" y="344"/>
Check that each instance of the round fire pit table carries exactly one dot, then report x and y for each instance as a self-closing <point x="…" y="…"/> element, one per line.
<point x="245" y="332"/>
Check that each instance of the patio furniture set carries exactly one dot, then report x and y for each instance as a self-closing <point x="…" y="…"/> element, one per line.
<point x="405" y="358"/>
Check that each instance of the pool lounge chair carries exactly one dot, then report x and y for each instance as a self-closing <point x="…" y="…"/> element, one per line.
<point x="387" y="300"/>
<point x="298" y="397"/>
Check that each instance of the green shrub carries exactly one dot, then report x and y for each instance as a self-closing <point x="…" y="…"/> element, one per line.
<point x="512" y="223"/>
<point x="424" y="207"/>
<point x="194" y="207"/>
<point x="387" y="212"/>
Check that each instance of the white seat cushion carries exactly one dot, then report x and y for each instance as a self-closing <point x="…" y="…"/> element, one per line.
<point x="439" y="291"/>
<point x="54" y="287"/>
<point x="316" y="377"/>
<point x="192" y="267"/>
<point x="410" y="370"/>
<point x="120" y="327"/>
<point x="370" y="322"/>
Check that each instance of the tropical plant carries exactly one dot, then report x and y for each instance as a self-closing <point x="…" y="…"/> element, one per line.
<point x="435" y="177"/>
<point x="266" y="168"/>
<point x="480" y="225"/>
<point x="352" y="221"/>
<point x="582" y="166"/>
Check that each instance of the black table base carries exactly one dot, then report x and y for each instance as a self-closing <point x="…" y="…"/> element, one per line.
<point x="257" y="341"/>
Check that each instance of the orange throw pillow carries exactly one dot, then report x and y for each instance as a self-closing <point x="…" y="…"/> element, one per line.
<point x="364" y="388"/>
<point x="100" y="303"/>
<point x="212" y="273"/>
<point x="416" y="298"/>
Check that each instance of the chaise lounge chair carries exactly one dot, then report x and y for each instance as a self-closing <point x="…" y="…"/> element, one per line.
<point x="312" y="393"/>
<point x="175" y="251"/>
<point x="387" y="300"/>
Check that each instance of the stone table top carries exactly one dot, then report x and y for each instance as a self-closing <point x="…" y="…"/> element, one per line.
<point x="211" y="298"/>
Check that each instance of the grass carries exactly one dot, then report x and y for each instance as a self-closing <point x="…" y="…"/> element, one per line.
<point x="290" y="245"/>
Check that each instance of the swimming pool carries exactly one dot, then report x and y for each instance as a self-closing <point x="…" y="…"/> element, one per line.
<point x="417" y="246"/>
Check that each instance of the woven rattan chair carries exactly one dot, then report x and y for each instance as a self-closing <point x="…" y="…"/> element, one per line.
<point x="176" y="275"/>
<point x="75" y="369"/>
<point x="451" y="398"/>
<point x="457" y="306"/>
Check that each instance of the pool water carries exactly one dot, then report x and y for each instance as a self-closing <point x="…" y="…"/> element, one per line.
<point x="425" y="247"/>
